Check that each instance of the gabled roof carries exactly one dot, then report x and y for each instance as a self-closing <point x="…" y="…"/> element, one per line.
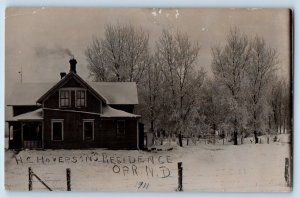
<point x="66" y="79"/>
<point x="116" y="93"/>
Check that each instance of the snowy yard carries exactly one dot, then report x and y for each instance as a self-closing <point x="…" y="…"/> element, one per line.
<point x="206" y="167"/>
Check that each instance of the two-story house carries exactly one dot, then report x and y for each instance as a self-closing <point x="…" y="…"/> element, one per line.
<point x="75" y="114"/>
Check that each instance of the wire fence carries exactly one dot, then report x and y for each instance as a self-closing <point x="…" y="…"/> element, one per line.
<point x="37" y="183"/>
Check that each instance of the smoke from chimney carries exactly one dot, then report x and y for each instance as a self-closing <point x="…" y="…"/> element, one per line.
<point x="42" y="51"/>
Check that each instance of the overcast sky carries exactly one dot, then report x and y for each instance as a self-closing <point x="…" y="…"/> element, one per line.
<point x="38" y="39"/>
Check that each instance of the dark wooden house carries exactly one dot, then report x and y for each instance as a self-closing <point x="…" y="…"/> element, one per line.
<point x="75" y="114"/>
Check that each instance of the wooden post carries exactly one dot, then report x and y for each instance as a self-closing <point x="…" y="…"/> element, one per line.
<point x="235" y="141"/>
<point x="22" y="136"/>
<point x="286" y="171"/>
<point x="68" y="179"/>
<point x="268" y="140"/>
<point x="180" y="140"/>
<point x="179" y="176"/>
<point x="29" y="179"/>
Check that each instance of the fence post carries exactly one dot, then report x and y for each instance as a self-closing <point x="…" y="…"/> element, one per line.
<point x="286" y="171"/>
<point x="180" y="140"/>
<point x="179" y="176"/>
<point x="29" y="179"/>
<point x="68" y="179"/>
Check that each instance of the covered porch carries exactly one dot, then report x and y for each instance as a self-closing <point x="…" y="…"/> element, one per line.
<point x="26" y="131"/>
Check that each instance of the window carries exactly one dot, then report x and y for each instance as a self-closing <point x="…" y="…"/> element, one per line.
<point x="88" y="129"/>
<point x="64" y="98"/>
<point x="120" y="128"/>
<point x="80" y="98"/>
<point x="57" y="130"/>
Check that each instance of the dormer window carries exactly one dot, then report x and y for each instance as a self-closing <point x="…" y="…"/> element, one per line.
<point x="64" y="98"/>
<point x="80" y="98"/>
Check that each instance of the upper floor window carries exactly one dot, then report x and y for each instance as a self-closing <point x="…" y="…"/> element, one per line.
<point x="64" y="98"/>
<point x="80" y="98"/>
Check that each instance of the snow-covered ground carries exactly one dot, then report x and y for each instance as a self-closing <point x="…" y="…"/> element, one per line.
<point x="206" y="167"/>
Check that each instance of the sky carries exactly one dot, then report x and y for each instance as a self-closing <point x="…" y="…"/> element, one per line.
<point x="39" y="41"/>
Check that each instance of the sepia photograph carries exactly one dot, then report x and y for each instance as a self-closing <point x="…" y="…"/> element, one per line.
<point x="148" y="99"/>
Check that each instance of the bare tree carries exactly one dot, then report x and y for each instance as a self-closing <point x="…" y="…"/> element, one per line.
<point x="177" y="57"/>
<point x="213" y="107"/>
<point x="229" y="65"/>
<point x="280" y="103"/>
<point x="262" y="64"/>
<point x="152" y="94"/>
<point x="120" y="56"/>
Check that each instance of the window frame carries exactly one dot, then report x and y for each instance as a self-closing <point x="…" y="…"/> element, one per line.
<point x="70" y="97"/>
<point x="117" y="128"/>
<point x="85" y="101"/>
<point x="93" y="127"/>
<point x="62" y="129"/>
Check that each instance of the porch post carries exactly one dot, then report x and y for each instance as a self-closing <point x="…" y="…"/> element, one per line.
<point x="42" y="134"/>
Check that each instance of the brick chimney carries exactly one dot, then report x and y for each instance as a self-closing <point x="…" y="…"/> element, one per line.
<point x="73" y="63"/>
<point x="62" y="75"/>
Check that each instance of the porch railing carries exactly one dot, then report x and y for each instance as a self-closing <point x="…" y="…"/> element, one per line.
<point x="33" y="144"/>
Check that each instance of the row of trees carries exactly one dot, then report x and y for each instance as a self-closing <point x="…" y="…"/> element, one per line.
<point x="244" y="96"/>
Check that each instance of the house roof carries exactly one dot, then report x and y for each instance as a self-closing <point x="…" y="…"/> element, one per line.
<point x="109" y="112"/>
<point x="117" y="92"/>
<point x="27" y="93"/>
<point x="66" y="79"/>
<point x="33" y="115"/>
<point x="114" y="92"/>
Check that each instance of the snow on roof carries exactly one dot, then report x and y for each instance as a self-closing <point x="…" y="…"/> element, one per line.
<point x="33" y="115"/>
<point x="114" y="92"/>
<point x="109" y="112"/>
<point x="28" y="93"/>
<point x="117" y="92"/>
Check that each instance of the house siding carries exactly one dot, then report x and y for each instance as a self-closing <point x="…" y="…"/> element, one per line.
<point x="92" y="103"/>
<point x="104" y="132"/>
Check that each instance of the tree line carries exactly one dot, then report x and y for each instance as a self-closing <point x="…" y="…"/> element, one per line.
<point x="244" y="96"/>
